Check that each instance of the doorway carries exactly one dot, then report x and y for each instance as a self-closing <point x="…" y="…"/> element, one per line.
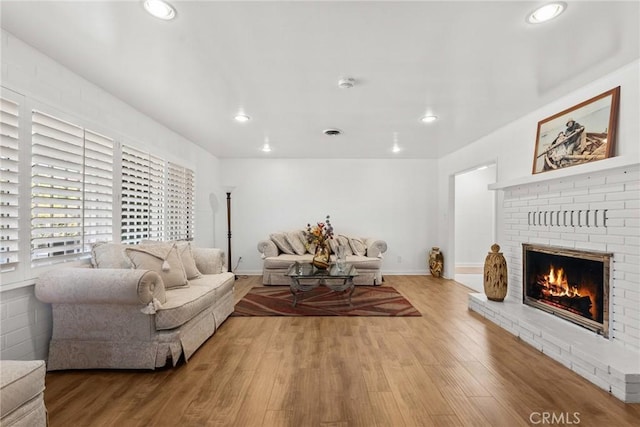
<point x="474" y="223"/>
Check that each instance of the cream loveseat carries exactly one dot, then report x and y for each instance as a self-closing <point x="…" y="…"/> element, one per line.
<point x="22" y="393"/>
<point x="136" y="307"/>
<point x="281" y="250"/>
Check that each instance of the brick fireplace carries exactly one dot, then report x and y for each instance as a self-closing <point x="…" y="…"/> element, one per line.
<point x="593" y="210"/>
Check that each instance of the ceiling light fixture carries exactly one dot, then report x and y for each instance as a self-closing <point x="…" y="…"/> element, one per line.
<point x="242" y="118"/>
<point x="546" y="12"/>
<point x="266" y="147"/>
<point x="332" y="132"/>
<point x="346" y="83"/>
<point x="160" y="9"/>
<point x="429" y="119"/>
<point x="395" y="148"/>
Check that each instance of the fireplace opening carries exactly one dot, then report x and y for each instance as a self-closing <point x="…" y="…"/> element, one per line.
<point x="569" y="283"/>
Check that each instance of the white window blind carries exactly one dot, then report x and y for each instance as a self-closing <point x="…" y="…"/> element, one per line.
<point x="156" y="198"/>
<point x="135" y="195"/>
<point x="180" y="202"/>
<point x="71" y="189"/>
<point x="56" y="188"/>
<point x="9" y="124"/>
<point x="98" y="189"/>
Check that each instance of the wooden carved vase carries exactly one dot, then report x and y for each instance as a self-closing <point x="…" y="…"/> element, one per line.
<point x="436" y="262"/>
<point x="495" y="275"/>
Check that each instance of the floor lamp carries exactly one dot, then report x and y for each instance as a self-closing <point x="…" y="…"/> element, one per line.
<point x="229" y="267"/>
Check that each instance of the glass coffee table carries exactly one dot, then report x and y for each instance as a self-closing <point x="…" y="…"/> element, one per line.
<point x="305" y="277"/>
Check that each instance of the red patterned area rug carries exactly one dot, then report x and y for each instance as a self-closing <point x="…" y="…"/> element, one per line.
<point x="321" y="301"/>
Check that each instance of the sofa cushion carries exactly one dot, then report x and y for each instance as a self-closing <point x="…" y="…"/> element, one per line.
<point x="281" y="242"/>
<point x="161" y="258"/>
<point x="20" y="382"/>
<point x="364" y="263"/>
<point x="222" y="283"/>
<point x="340" y="240"/>
<point x="297" y="241"/>
<point x="183" y="304"/>
<point x="284" y="261"/>
<point x="109" y="255"/>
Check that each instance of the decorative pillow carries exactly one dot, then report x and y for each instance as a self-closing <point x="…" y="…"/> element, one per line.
<point x="296" y="240"/>
<point x="189" y="263"/>
<point x="186" y="255"/>
<point x="340" y="241"/>
<point x="281" y="242"/>
<point x="357" y="246"/>
<point x="109" y="255"/>
<point x="209" y="260"/>
<point x="163" y="258"/>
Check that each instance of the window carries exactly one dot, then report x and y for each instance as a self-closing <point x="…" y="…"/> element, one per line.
<point x="9" y="116"/>
<point x="180" y="203"/>
<point x="71" y="186"/>
<point x="157" y="198"/>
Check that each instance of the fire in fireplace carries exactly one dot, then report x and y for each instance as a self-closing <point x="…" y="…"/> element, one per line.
<point x="569" y="283"/>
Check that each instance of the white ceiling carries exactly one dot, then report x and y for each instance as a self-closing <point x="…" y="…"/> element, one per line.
<point x="477" y="65"/>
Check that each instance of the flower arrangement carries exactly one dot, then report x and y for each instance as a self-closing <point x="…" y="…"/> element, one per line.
<point x="320" y="233"/>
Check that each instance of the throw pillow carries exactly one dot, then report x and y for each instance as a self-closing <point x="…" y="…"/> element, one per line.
<point x="357" y="246"/>
<point x="109" y="255"/>
<point x="163" y="258"/>
<point x="281" y="242"/>
<point x="209" y="260"/>
<point x="340" y="240"/>
<point x="186" y="255"/>
<point x="296" y="241"/>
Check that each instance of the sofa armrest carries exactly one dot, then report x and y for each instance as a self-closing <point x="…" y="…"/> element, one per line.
<point x="210" y="260"/>
<point x="375" y="248"/>
<point x="100" y="286"/>
<point x="267" y="248"/>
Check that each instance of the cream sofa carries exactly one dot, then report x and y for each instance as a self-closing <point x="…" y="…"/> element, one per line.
<point x="281" y="250"/>
<point x="22" y="393"/>
<point x="120" y="313"/>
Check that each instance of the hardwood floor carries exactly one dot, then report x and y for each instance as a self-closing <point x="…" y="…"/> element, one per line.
<point x="449" y="367"/>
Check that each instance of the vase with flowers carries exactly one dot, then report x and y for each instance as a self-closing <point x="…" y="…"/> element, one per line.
<point x="318" y="237"/>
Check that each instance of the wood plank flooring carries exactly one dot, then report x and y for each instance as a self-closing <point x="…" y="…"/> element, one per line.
<point x="449" y="367"/>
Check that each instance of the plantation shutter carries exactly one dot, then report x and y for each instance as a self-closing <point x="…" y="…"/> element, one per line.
<point x="56" y="195"/>
<point x="9" y="116"/>
<point x="98" y="189"/>
<point x="156" y="198"/>
<point x="135" y="195"/>
<point x="180" y="202"/>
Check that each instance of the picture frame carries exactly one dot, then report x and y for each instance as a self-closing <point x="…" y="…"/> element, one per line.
<point x="581" y="134"/>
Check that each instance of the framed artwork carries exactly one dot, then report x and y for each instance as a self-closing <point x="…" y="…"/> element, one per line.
<point x="580" y="134"/>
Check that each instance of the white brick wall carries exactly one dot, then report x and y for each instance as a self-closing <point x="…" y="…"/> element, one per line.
<point x="25" y="325"/>
<point x="615" y="191"/>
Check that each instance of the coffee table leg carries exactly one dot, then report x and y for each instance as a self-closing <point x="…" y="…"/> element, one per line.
<point x="353" y="288"/>
<point x="294" y="285"/>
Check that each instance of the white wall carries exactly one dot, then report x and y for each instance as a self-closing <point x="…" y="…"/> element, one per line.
<point x="474" y="216"/>
<point x="26" y="323"/>
<point x="512" y="146"/>
<point x="393" y="200"/>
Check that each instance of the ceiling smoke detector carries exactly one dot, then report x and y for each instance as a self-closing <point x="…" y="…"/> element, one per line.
<point x="332" y="132"/>
<point x="346" y="83"/>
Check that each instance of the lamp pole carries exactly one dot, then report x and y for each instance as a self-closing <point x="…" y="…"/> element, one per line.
<point x="229" y="267"/>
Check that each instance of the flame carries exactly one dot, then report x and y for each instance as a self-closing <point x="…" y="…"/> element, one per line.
<point x="556" y="284"/>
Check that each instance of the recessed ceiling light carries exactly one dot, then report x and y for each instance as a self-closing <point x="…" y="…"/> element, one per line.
<point x="266" y="147"/>
<point x="346" y="83"/>
<point x="242" y="118"/>
<point x="429" y="119"/>
<point x="546" y="12"/>
<point x="395" y="148"/>
<point x="332" y="132"/>
<point x="160" y="9"/>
